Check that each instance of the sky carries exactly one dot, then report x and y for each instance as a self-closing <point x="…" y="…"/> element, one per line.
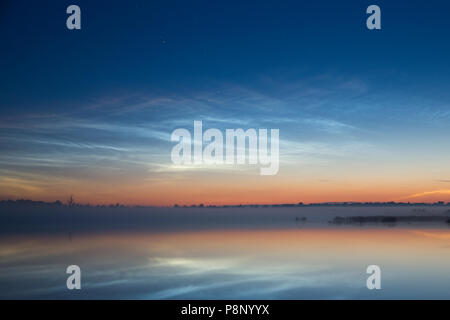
<point x="363" y="114"/>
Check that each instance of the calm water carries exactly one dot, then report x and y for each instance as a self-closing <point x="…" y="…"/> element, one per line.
<point x="264" y="264"/>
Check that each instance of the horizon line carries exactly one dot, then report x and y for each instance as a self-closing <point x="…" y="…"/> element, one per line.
<point x="202" y="205"/>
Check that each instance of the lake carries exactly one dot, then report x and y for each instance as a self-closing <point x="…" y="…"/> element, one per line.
<point x="300" y="262"/>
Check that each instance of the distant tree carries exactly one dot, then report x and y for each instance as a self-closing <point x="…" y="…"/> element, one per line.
<point x="71" y="201"/>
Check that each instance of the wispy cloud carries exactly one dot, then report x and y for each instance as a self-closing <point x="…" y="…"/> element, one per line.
<point x="429" y="193"/>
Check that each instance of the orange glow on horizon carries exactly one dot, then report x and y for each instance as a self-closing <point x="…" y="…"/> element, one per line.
<point x="168" y="194"/>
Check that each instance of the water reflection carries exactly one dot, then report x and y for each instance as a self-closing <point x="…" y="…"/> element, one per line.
<point x="264" y="264"/>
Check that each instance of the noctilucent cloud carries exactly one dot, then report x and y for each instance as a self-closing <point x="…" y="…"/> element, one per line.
<point x="363" y="114"/>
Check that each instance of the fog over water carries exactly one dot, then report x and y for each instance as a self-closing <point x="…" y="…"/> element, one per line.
<point x="62" y="219"/>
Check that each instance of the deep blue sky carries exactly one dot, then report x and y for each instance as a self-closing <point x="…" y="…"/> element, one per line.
<point x="162" y="46"/>
<point x="108" y="96"/>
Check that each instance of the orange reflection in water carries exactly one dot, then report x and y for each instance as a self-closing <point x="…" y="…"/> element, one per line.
<point x="248" y="263"/>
